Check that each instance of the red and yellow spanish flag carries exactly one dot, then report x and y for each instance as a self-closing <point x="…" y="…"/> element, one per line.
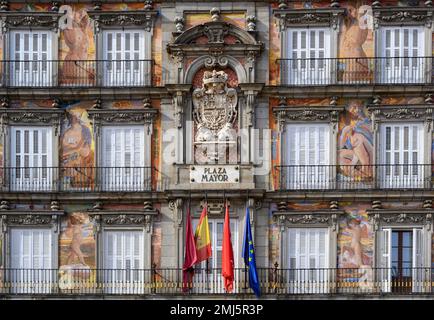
<point x="202" y="238"/>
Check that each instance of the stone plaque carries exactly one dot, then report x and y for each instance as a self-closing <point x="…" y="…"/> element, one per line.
<point x="215" y="174"/>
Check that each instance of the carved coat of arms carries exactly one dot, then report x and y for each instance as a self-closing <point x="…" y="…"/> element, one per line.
<point x="214" y="108"/>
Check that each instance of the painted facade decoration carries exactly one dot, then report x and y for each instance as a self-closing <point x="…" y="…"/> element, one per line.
<point x="218" y="102"/>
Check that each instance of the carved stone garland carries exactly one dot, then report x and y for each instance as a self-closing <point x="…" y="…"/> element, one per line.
<point x="286" y="219"/>
<point x="143" y="19"/>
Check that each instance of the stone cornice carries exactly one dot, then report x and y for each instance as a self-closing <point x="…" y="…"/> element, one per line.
<point x="140" y="18"/>
<point x="398" y="16"/>
<point x="327" y="218"/>
<point x="408" y="112"/>
<point x="325" y="17"/>
<point x="287" y="114"/>
<point x="122" y="218"/>
<point x="34" y="116"/>
<point x="400" y="217"/>
<point x="31" y="19"/>
<point x="113" y="116"/>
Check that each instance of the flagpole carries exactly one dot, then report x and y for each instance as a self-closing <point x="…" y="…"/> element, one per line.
<point x="245" y="265"/>
<point x="207" y="271"/>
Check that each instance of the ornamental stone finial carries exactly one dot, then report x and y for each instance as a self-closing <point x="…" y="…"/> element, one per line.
<point x="179" y="24"/>
<point x="251" y="23"/>
<point x="215" y="14"/>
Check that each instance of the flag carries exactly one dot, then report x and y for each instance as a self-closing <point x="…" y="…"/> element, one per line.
<point x="227" y="254"/>
<point x="249" y="256"/>
<point x="190" y="256"/>
<point x="202" y="238"/>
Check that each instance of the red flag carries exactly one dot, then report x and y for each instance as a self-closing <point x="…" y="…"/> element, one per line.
<point x="190" y="257"/>
<point x="227" y="254"/>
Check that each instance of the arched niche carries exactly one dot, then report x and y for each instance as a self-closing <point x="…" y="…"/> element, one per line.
<point x="206" y="62"/>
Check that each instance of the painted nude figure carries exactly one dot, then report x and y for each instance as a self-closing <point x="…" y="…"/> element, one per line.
<point x="354" y="34"/>
<point x="75" y="68"/>
<point x="355" y="144"/>
<point x="75" y="226"/>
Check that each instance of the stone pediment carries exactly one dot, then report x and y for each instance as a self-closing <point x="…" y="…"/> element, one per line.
<point x="215" y="37"/>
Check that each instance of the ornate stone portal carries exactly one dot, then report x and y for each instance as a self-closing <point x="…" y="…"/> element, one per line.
<point x="215" y="115"/>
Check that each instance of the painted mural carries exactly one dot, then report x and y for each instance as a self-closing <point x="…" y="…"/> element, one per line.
<point x="355" y="145"/>
<point x="77" y="146"/>
<point x="77" y="48"/>
<point x="77" y="255"/>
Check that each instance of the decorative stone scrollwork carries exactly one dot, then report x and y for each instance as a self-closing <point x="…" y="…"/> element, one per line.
<point x="308" y="17"/>
<point x="402" y="16"/>
<point x="311" y="218"/>
<point x="31" y="219"/>
<point x="286" y="114"/>
<point x="381" y="113"/>
<point x="143" y="19"/>
<point x="216" y="59"/>
<point x="52" y="116"/>
<point x="176" y="205"/>
<point x="390" y="217"/>
<point x="216" y="207"/>
<point x="123" y="219"/>
<point x="179" y="104"/>
<point x="144" y="116"/>
<point x="16" y="19"/>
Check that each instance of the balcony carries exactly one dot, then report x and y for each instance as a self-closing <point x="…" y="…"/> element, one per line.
<point x="354" y="177"/>
<point x="356" y="71"/>
<point x="86" y="73"/>
<point x="273" y="281"/>
<point x="81" y="179"/>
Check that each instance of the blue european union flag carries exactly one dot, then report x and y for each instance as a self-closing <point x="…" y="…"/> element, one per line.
<point x="249" y="256"/>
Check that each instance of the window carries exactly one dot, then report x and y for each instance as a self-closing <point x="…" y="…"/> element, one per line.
<point x="123" y="159"/>
<point x="31" y="158"/>
<point x="401" y="155"/>
<point x="307" y="156"/>
<point x="402" y="55"/>
<point x="31" y="260"/>
<point x="401" y="260"/>
<point x="124" y="53"/>
<point x="213" y="274"/>
<point x="123" y="261"/>
<point x="308" y="260"/>
<point x="309" y="53"/>
<point x="31" y="55"/>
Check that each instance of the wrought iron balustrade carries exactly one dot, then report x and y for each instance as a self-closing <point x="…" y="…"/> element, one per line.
<point x="81" y="179"/>
<point x="76" y="73"/>
<point x="353" y="177"/>
<point x="355" y="71"/>
<point x="159" y="281"/>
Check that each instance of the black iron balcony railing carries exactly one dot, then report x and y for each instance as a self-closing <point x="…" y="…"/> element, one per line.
<point x="76" y="73"/>
<point x="81" y="179"/>
<point x="354" y="177"/>
<point x="345" y="71"/>
<point x="272" y="281"/>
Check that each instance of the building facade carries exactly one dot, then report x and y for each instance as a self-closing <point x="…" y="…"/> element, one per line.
<point x="118" y="118"/>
